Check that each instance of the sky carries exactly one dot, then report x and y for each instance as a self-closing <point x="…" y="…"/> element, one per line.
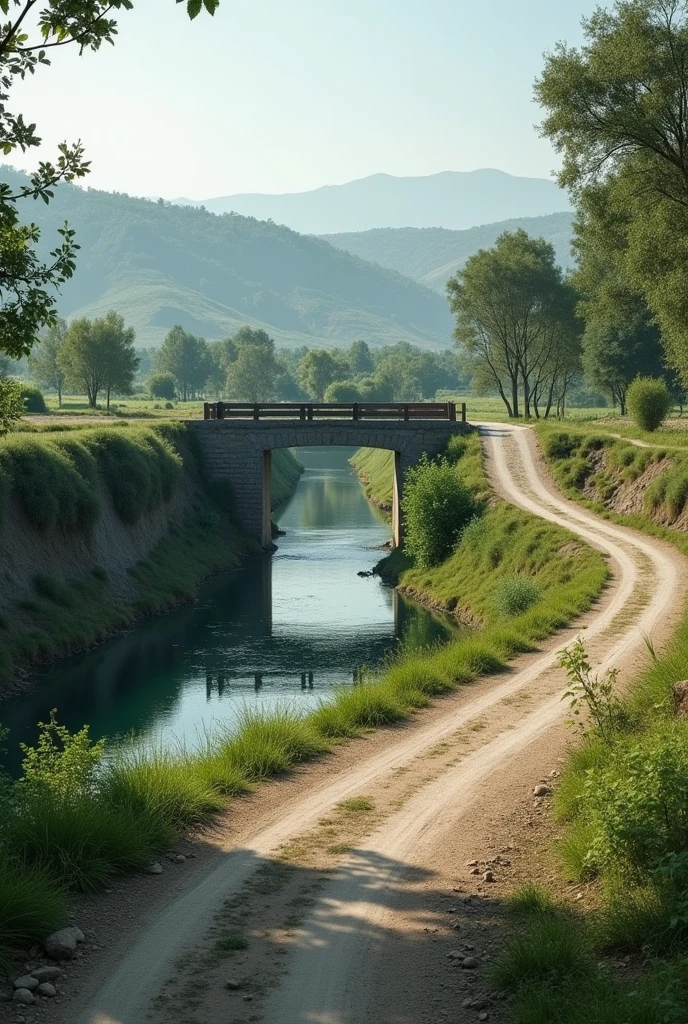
<point x="274" y="96"/>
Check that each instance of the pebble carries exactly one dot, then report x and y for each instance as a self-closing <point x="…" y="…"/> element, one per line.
<point x="61" y="945"/>
<point x="470" y="963"/>
<point x="542" y="790"/>
<point x="47" y="990"/>
<point x="24" y="996"/>
<point x="154" y="869"/>
<point x="26" y="982"/>
<point x="475" y="871"/>
<point x="471" y="863"/>
<point x="483" y="1016"/>
<point x="232" y="984"/>
<point x="488" y="876"/>
<point x="248" y="999"/>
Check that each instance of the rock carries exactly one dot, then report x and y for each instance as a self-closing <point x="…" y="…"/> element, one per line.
<point x="483" y="1016"/>
<point x="467" y="1004"/>
<point x="488" y="876"/>
<point x="47" y="990"/>
<point x="542" y="790"/>
<point x="471" y="863"/>
<point x="232" y="984"/>
<point x="76" y="932"/>
<point x="680" y="691"/>
<point x="154" y="869"/>
<point x="24" y="996"/>
<point x="26" y="982"/>
<point x="248" y="999"/>
<point x="475" y="871"/>
<point x="178" y="858"/>
<point x="61" y="945"/>
<point x="470" y="963"/>
<point x="47" y="974"/>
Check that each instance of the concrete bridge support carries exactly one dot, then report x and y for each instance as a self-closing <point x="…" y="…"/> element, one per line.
<point x="239" y="452"/>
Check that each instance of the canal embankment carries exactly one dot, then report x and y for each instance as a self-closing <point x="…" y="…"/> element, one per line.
<point x="101" y="526"/>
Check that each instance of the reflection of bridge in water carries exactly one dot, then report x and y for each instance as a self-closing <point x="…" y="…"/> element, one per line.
<point x="221" y="681"/>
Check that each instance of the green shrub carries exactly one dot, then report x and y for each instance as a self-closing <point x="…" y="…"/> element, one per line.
<point x="648" y="402"/>
<point x="561" y="445"/>
<point x="638" y="801"/>
<point x="162" y="385"/>
<point x="33" y="399"/>
<point x="516" y="594"/>
<point x="11" y="403"/>
<point x="50" y="484"/>
<point x="343" y="391"/>
<point x="437" y="506"/>
<point x="61" y="763"/>
<point x="141" y="469"/>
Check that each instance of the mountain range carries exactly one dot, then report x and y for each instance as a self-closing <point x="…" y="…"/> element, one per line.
<point x="452" y="199"/>
<point x="431" y="256"/>
<point x="158" y="265"/>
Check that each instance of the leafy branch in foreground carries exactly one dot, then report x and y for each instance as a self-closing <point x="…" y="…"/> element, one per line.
<point x="587" y="691"/>
<point x="27" y="34"/>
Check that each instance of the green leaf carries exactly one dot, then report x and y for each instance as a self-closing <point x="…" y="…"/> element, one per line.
<point x="194" y="7"/>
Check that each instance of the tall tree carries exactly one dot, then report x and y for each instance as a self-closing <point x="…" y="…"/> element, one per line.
<point x="317" y="369"/>
<point x="617" y="111"/>
<point x="28" y="281"/>
<point x="99" y="355"/>
<point x="44" y="366"/>
<point x="510" y="304"/>
<point x="188" y="359"/>
<point x="360" y="359"/>
<point x="251" y="377"/>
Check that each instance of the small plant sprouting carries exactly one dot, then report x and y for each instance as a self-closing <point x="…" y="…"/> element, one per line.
<point x="588" y="691"/>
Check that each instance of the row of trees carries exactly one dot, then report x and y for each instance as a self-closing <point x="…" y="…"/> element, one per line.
<point x="98" y="357"/>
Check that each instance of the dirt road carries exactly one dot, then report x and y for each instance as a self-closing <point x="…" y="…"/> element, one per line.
<point x="338" y="954"/>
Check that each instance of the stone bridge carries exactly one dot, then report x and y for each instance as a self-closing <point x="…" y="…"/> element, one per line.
<point x="239" y="450"/>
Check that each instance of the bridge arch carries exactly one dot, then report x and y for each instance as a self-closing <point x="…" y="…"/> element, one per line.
<point x="239" y="452"/>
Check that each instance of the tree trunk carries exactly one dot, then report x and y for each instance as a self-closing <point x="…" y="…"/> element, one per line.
<point x="506" y="401"/>
<point x="514" y="397"/>
<point x="59" y="397"/>
<point x="107" y="400"/>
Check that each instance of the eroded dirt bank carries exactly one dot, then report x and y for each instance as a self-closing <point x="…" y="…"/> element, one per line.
<point x="346" y="908"/>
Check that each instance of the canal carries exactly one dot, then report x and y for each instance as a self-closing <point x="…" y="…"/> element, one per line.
<point x="280" y="631"/>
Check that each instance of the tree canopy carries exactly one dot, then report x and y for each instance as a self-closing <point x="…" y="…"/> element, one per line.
<point x="617" y="111"/>
<point x="99" y="355"/>
<point x="515" y="320"/>
<point x="28" y="35"/>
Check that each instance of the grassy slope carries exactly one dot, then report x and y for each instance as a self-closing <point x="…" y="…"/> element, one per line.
<point x="143" y="801"/>
<point x="55" y="476"/>
<point x="161" y="265"/>
<point x="623" y="803"/>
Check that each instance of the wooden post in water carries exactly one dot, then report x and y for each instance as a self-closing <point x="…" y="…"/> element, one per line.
<point x="266" y="531"/>
<point x="397" y="526"/>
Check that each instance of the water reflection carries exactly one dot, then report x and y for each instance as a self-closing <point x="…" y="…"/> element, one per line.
<point x="289" y="627"/>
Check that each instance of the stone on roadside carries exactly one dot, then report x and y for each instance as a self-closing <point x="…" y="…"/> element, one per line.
<point x="61" y="945"/>
<point x="470" y="963"/>
<point x="26" y="981"/>
<point x="154" y="869"/>
<point x="475" y="871"/>
<point x="680" y="691"/>
<point x="483" y="1016"/>
<point x="542" y="790"/>
<point x="46" y="974"/>
<point x="46" y="989"/>
<point x="24" y="996"/>
<point x="488" y="876"/>
<point x="233" y="984"/>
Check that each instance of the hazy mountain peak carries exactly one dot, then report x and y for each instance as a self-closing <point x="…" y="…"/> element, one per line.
<point x="449" y="199"/>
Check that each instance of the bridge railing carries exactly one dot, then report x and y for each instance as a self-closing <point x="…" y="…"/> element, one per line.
<point x="333" y="410"/>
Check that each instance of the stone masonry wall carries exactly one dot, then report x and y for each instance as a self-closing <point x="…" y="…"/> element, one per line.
<point x="233" y="449"/>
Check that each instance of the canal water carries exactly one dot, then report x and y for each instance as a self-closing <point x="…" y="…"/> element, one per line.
<point x="280" y="631"/>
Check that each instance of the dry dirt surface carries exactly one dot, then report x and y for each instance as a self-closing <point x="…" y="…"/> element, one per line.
<point x="369" y="888"/>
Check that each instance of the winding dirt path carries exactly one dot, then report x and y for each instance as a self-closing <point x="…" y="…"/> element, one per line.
<point x="338" y="954"/>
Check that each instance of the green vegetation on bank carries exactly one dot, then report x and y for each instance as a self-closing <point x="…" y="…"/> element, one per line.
<point x="73" y="828"/>
<point x="623" y="802"/>
<point x="60" y="480"/>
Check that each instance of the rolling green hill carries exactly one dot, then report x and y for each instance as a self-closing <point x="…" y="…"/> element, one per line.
<point x="431" y="255"/>
<point x="159" y="264"/>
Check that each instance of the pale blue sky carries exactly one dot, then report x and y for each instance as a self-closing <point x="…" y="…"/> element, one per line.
<point x="275" y="96"/>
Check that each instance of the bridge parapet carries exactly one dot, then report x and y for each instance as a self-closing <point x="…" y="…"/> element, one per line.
<point x="333" y="410"/>
<point x="239" y="451"/>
